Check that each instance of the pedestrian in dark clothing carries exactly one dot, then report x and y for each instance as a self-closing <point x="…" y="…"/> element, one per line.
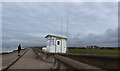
<point x="19" y="48"/>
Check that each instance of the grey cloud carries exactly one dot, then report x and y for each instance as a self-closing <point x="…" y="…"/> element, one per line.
<point x="89" y="23"/>
<point x="109" y="38"/>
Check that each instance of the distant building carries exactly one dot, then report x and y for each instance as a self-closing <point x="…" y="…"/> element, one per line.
<point x="93" y="47"/>
<point x="56" y="44"/>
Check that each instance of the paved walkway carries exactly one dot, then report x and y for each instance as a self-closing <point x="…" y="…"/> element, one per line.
<point x="29" y="61"/>
<point x="8" y="58"/>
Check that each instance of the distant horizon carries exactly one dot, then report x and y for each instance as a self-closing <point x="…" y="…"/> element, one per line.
<point x="10" y="49"/>
<point x="68" y="46"/>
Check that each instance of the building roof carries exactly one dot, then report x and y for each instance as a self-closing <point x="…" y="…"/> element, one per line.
<point x="56" y="36"/>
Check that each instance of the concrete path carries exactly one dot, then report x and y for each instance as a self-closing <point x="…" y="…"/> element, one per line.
<point x="29" y="61"/>
<point x="8" y="58"/>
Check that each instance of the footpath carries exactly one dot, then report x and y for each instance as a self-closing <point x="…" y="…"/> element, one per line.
<point x="29" y="61"/>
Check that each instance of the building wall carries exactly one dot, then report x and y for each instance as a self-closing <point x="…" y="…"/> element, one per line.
<point x="64" y="45"/>
<point x="57" y="48"/>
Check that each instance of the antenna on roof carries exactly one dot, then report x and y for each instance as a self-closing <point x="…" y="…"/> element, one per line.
<point x="61" y="27"/>
<point x="67" y="24"/>
<point x="67" y="31"/>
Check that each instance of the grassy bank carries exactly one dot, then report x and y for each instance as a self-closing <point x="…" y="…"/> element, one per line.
<point x="93" y="51"/>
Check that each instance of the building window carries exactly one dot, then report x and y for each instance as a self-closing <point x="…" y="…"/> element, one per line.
<point x="58" y="42"/>
<point x="50" y="42"/>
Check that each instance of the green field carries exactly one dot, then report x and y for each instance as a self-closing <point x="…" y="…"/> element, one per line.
<point x="93" y="51"/>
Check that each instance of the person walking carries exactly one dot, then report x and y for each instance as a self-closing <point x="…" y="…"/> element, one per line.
<point x="19" y="48"/>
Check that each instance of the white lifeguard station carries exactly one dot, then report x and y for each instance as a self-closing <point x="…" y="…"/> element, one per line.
<point x="56" y="44"/>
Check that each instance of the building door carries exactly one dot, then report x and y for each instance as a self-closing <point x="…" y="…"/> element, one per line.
<point x="58" y="46"/>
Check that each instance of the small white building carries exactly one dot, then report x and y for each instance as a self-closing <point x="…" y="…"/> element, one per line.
<point x="56" y="44"/>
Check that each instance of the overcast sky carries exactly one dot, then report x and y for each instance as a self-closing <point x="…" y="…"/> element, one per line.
<point x="89" y="23"/>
